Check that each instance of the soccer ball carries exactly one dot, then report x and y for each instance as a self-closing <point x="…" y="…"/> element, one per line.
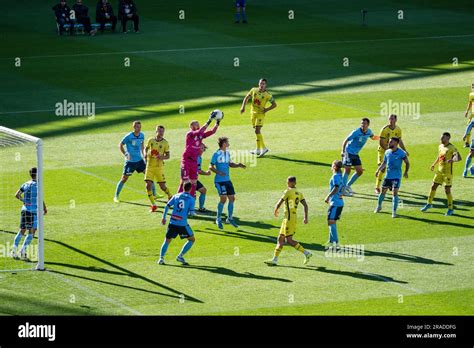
<point x="217" y="114"/>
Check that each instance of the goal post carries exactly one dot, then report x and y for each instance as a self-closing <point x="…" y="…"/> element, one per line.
<point x="16" y="159"/>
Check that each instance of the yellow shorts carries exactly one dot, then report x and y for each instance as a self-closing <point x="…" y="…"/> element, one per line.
<point x="288" y="227"/>
<point x="440" y="179"/>
<point x="257" y="120"/>
<point x="156" y="174"/>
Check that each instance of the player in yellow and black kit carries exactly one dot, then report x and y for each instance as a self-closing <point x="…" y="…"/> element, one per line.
<point x="469" y="114"/>
<point x="448" y="154"/>
<point x="391" y="130"/>
<point x="291" y="198"/>
<point x="260" y="97"/>
<point x="157" y="150"/>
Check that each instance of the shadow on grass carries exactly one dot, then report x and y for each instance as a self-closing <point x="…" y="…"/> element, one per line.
<point x="44" y="119"/>
<point x="119" y="271"/>
<point x="358" y="275"/>
<point x="257" y="237"/>
<point x="295" y="160"/>
<point x="231" y="273"/>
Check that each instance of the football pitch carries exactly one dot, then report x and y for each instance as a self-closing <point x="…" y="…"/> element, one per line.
<point x="326" y="71"/>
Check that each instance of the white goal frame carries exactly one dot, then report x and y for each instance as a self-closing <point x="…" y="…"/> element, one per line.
<point x="39" y="178"/>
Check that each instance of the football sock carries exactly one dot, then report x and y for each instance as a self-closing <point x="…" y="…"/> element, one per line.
<point x="262" y="143"/>
<point x="431" y="196"/>
<point x="151" y="197"/>
<point x="153" y="189"/>
<point x="244" y="16"/>
<point x="468" y="163"/>
<point x="450" y="200"/>
<point x="186" y="247"/>
<point x="202" y="200"/>
<point x="16" y="241"/>
<point x="353" y="179"/>
<point x="300" y="248"/>
<point x="230" y="210"/>
<point x="119" y="188"/>
<point x="164" y="249"/>
<point x="394" y="203"/>
<point x="333" y="238"/>
<point x="167" y="191"/>
<point x="220" y="208"/>
<point x="180" y="188"/>
<point x="27" y="242"/>
<point x="277" y="252"/>
<point x="259" y="141"/>
<point x="344" y="179"/>
<point x="237" y="16"/>
<point x="380" y="200"/>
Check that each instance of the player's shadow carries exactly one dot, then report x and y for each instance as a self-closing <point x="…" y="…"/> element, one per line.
<point x="255" y="237"/>
<point x="119" y="271"/>
<point x="358" y="275"/>
<point x="231" y="273"/>
<point x="254" y="224"/>
<point x="445" y="222"/>
<point x="295" y="160"/>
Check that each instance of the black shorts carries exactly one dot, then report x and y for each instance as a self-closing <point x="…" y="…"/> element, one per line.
<point x="28" y="220"/>
<point x="391" y="183"/>
<point x="334" y="213"/>
<point x="199" y="185"/>
<point x="351" y="160"/>
<point x="131" y="167"/>
<point x="181" y="231"/>
<point x="225" y="188"/>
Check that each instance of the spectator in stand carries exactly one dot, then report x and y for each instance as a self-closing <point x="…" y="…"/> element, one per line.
<point x="128" y="11"/>
<point x="82" y="17"/>
<point x="104" y="14"/>
<point x="62" y="12"/>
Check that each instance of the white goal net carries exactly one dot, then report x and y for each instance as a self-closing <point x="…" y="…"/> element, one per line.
<point x="19" y="153"/>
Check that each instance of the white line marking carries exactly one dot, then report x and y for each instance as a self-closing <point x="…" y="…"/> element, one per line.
<point x="247" y="46"/>
<point x="88" y="290"/>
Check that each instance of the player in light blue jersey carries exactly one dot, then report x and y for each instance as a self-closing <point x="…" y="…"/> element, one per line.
<point x="183" y="205"/>
<point x="393" y="160"/>
<point x="132" y="147"/>
<point x="350" y="153"/>
<point x="469" y="157"/>
<point x="28" y="194"/>
<point x="199" y="185"/>
<point x="335" y="201"/>
<point x="220" y="165"/>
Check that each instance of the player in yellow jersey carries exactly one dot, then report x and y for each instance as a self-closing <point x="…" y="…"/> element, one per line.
<point x="291" y="197"/>
<point x="447" y="155"/>
<point x="260" y="97"/>
<point x="470" y="113"/>
<point x="157" y="150"/>
<point x="391" y="130"/>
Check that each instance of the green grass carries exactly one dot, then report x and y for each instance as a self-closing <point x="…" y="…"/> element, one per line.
<point x="101" y="256"/>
